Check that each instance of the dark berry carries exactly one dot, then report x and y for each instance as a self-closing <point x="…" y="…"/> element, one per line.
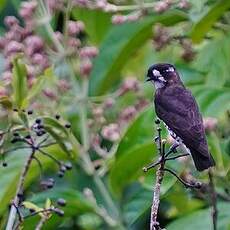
<point x="16" y="134"/>
<point x="29" y="112"/>
<point x="68" y="166"/>
<point x="4" y="164"/>
<point x="63" y="168"/>
<point x="159" y="129"/>
<point x="49" y="185"/>
<point x="61" y="202"/>
<point x="38" y="121"/>
<point x="28" y="136"/>
<point x="57" y="116"/>
<point x="60" y="174"/>
<point x="67" y="126"/>
<point x="15" y="110"/>
<point x="51" y="180"/>
<point x="23" y="111"/>
<point x="40" y="126"/>
<point x="31" y="210"/>
<point x="14" y="140"/>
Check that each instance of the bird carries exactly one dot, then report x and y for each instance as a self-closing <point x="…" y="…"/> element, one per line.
<point x="178" y="109"/>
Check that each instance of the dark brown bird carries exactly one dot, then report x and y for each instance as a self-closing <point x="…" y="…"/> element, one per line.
<point x="176" y="106"/>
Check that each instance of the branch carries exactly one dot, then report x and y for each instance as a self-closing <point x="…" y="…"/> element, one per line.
<point x="19" y="192"/>
<point x="213" y="199"/>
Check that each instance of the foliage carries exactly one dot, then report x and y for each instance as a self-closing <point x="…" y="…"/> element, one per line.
<point x="111" y="113"/>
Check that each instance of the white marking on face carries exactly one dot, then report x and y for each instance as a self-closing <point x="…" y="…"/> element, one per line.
<point x="158" y="84"/>
<point x="161" y="79"/>
<point x="170" y="69"/>
<point x="156" y="73"/>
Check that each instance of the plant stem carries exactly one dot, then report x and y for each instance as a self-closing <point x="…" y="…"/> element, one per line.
<point x="41" y="223"/>
<point x="85" y="157"/>
<point x="16" y="201"/>
<point x="213" y="198"/>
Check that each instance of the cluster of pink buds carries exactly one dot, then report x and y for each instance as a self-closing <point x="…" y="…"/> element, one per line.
<point x="129" y="84"/>
<point x="128" y="113"/>
<point x="188" y="53"/>
<point x="111" y="132"/>
<point x="20" y="39"/>
<point x="120" y="19"/>
<point x="161" y="37"/>
<point x="162" y="6"/>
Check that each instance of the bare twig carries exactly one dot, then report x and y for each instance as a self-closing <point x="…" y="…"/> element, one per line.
<point x="213" y="199"/>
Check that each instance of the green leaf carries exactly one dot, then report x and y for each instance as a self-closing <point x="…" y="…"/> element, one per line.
<point x="96" y="22"/>
<point x="76" y="202"/>
<point x="39" y="84"/>
<point x="19" y="83"/>
<point x="143" y="125"/>
<point x="206" y="22"/>
<point x="202" y="219"/>
<point x="33" y="206"/>
<point x="129" y="166"/>
<point x="137" y="206"/>
<point x="55" y="124"/>
<point x="120" y="42"/>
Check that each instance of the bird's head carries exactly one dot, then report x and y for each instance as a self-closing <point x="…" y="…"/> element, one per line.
<point x="163" y="74"/>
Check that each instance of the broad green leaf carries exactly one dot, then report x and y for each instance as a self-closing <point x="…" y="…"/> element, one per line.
<point x="75" y="202"/>
<point x="96" y="22"/>
<point x="129" y="166"/>
<point x="202" y="219"/>
<point x="137" y="206"/>
<point x="120" y="42"/>
<point x="140" y="131"/>
<point x="19" y="83"/>
<point x="61" y="141"/>
<point x="217" y="69"/>
<point x="206" y="22"/>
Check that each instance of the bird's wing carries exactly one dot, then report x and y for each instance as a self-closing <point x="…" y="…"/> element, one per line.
<point x="178" y="109"/>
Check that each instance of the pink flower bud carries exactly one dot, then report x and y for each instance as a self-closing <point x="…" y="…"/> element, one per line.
<point x="88" y="52"/>
<point x="10" y="21"/>
<point x="118" y="19"/>
<point x="111" y="132"/>
<point x="109" y="102"/>
<point x="40" y="59"/>
<point x="101" y="4"/>
<point x="63" y="85"/>
<point x="33" y="44"/>
<point x="129" y="84"/>
<point x="75" y="28"/>
<point x="13" y="47"/>
<point x="15" y="33"/>
<point x="128" y="113"/>
<point x="184" y="4"/>
<point x="3" y="92"/>
<point x="141" y="103"/>
<point x="86" y="67"/>
<point x="3" y="42"/>
<point x="59" y="36"/>
<point x="97" y="112"/>
<point x="50" y="94"/>
<point x="161" y="6"/>
<point x="27" y="9"/>
<point x="210" y="123"/>
<point x="74" y="42"/>
<point x="7" y="77"/>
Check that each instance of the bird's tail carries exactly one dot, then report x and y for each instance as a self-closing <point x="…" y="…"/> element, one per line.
<point x="202" y="160"/>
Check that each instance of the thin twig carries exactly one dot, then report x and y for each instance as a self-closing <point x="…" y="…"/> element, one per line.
<point x="213" y="199"/>
<point x="178" y="156"/>
<point x="41" y="223"/>
<point x="186" y="184"/>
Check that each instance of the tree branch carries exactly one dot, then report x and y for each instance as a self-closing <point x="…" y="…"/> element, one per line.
<point x="19" y="192"/>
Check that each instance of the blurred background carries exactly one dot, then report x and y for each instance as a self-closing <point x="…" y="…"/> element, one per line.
<point x="86" y="61"/>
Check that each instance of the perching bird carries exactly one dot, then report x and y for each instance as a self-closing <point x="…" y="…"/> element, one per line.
<point x="176" y="106"/>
